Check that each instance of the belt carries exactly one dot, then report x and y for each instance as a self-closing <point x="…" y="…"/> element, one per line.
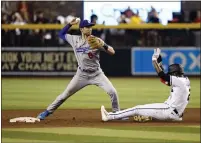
<point x="88" y="71"/>
<point x="175" y="110"/>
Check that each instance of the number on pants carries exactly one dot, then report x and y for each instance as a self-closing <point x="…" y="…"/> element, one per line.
<point x="90" y="55"/>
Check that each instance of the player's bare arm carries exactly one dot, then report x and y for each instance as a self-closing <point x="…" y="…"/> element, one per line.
<point x="108" y="49"/>
<point x="157" y="63"/>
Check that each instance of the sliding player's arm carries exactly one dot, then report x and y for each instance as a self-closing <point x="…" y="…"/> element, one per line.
<point x="157" y="63"/>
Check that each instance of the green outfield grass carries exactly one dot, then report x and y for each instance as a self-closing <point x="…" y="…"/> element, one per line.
<point x="37" y="93"/>
<point x="165" y="134"/>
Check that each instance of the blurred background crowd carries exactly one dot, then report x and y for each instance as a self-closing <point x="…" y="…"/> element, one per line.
<point x="22" y="12"/>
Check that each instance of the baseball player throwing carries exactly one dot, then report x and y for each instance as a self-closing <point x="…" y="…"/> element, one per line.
<point x="172" y="108"/>
<point x="87" y="49"/>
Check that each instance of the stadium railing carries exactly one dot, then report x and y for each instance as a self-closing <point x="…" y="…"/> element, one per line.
<point x="144" y="35"/>
<point x="121" y="26"/>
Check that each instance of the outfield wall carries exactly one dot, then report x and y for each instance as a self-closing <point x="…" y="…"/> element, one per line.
<point x="56" y="61"/>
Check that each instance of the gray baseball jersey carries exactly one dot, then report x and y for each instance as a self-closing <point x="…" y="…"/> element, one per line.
<point x="86" y="57"/>
<point x="88" y="73"/>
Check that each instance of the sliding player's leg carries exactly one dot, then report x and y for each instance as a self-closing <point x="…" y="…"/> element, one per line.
<point x="158" y="111"/>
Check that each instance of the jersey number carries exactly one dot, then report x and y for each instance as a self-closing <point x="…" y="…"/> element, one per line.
<point x="189" y="95"/>
<point x="90" y="55"/>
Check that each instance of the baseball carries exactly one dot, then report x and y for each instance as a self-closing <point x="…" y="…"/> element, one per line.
<point x="78" y="19"/>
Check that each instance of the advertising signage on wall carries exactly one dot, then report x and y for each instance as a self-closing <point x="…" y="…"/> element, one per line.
<point x="62" y="61"/>
<point x="189" y="58"/>
<point x="38" y="61"/>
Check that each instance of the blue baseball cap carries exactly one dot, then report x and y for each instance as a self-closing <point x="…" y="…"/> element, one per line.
<point x="85" y="23"/>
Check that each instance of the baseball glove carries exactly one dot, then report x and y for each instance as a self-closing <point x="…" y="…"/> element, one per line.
<point x="95" y="42"/>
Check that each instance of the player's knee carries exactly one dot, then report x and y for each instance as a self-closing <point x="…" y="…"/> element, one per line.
<point x="68" y="91"/>
<point x="112" y="92"/>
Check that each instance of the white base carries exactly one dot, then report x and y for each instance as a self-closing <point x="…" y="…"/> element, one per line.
<point x="24" y="119"/>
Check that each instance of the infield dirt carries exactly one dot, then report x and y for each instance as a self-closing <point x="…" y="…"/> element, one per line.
<point x="86" y="118"/>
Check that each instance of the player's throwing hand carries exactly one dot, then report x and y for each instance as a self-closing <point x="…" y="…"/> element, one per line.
<point x="75" y="21"/>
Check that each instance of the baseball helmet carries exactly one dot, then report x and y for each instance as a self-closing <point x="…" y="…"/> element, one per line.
<point x="175" y="69"/>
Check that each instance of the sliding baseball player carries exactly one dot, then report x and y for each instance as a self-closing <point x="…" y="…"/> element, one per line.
<point x="172" y="108"/>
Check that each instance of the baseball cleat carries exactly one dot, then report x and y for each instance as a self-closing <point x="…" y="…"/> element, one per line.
<point x="43" y="115"/>
<point x="139" y="118"/>
<point x="104" y="114"/>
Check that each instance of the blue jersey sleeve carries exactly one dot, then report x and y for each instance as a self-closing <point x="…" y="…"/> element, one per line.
<point x="64" y="31"/>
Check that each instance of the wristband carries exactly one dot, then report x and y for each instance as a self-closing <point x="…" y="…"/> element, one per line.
<point x="105" y="46"/>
